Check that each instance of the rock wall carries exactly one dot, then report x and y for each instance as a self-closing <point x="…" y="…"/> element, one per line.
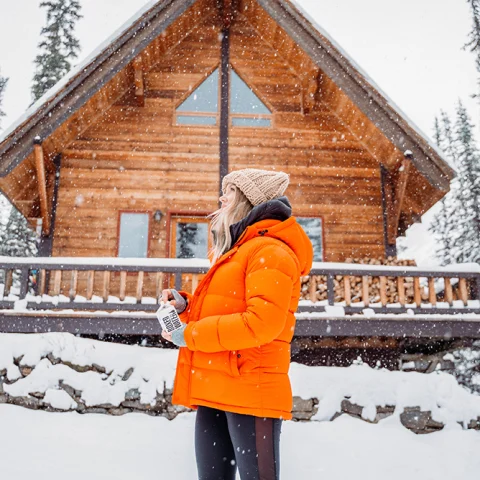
<point x="413" y="418"/>
<point x="64" y="397"/>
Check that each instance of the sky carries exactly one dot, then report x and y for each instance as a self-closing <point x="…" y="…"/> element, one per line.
<point x="411" y="49"/>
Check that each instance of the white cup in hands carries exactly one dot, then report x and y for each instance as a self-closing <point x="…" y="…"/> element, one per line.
<point x="167" y="297"/>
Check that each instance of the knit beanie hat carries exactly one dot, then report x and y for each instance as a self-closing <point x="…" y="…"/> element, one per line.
<point x="258" y="185"/>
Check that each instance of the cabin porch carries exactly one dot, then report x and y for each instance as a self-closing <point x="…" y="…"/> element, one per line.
<point x="98" y="296"/>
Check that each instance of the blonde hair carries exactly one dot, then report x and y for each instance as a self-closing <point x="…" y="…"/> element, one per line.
<point x="220" y="222"/>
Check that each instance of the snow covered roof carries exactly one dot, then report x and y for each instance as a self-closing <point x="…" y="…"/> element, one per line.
<point x="72" y="92"/>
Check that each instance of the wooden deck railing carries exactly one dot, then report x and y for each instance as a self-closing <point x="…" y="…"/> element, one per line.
<point x="115" y="284"/>
<point x="425" y="291"/>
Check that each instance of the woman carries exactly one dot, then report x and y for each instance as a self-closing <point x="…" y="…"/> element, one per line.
<point x="233" y="364"/>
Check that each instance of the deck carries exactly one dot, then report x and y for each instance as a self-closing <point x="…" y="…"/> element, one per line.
<point x="120" y="296"/>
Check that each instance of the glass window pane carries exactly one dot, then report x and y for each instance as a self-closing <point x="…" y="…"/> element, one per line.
<point x="133" y="235"/>
<point x="195" y="120"/>
<point x="242" y="98"/>
<point x="192" y="240"/>
<point x="313" y="228"/>
<point x="251" y="122"/>
<point x="205" y="97"/>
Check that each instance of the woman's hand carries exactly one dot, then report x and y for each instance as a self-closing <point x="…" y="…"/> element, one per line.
<point x="177" y="337"/>
<point x="167" y="336"/>
<point x="167" y="297"/>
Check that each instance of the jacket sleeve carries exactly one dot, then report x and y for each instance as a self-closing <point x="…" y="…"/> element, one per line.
<point x="185" y="314"/>
<point x="269" y="281"/>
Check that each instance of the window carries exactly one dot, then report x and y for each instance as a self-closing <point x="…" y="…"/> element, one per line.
<point x="202" y="106"/>
<point x="246" y="109"/>
<point x="134" y="235"/>
<point x="189" y="237"/>
<point x="313" y="228"/>
<point x="191" y="240"/>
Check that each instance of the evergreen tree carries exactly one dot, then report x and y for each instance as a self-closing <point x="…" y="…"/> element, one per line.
<point x="456" y="226"/>
<point x="17" y="238"/>
<point x="466" y="362"/>
<point x="3" y="85"/>
<point x="58" y="46"/>
<point x="468" y="167"/>
<point x="442" y="225"/>
<point x="473" y="43"/>
<point x="186" y="240"/>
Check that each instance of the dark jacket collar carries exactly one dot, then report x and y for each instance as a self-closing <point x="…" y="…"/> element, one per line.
<point x="276" y="209"/>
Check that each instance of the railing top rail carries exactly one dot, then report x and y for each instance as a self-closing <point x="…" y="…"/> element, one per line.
<point x="462" y="270"/>
<point x="194" y="265"/>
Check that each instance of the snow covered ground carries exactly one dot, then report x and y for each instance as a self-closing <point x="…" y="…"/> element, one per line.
<point x="54" y="446"/>
<point x="51" y="446"/>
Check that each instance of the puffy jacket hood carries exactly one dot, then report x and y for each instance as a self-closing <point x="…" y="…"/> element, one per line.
<point x="273" y="219"/>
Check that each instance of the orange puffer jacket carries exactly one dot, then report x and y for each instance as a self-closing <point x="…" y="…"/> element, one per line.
<point x="240" y="323"/>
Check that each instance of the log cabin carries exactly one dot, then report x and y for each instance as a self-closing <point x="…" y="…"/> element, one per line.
<point x="125" y="156"/>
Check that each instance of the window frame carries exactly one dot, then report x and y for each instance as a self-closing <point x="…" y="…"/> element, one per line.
<point x="119" y="223"/>
<point x="181" y="216"/>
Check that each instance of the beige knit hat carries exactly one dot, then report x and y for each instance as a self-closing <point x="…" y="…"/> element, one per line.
<point x="258" y="185"/>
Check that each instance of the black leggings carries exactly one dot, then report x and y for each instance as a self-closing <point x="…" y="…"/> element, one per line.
<point x="225" y="440"/>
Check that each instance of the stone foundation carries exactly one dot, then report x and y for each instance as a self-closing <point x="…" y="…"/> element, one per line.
<point x="303" y="409"/>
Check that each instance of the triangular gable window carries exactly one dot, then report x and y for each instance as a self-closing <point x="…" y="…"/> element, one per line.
<point x="246" y="109"/>
<point x="202" y="106"/>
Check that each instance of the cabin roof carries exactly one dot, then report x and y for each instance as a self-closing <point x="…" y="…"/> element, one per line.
<point x="74" y="90"/>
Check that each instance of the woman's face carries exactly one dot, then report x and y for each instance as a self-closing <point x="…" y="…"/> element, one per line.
<point x="228" y="196"/>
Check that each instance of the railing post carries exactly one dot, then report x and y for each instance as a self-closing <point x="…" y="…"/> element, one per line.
<point x="23" y="283"/>
<point x="178" y="280"/>
<point x="330" y="289"/>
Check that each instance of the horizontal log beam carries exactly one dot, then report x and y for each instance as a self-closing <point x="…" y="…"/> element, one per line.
<point x="324" y="327"/>
<point x="388" y="327"/>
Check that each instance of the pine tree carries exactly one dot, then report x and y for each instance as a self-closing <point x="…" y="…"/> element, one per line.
<point x="442" y="225"/>
<point x="17" y="239"/>
<point x="468" y="166"/>
<point x="466" y="362"/>
<point x="456" y="226"/>
<point x="473" y="43"/>
<point x="3" y="85"/>
<point x="187" y="239"/>
<point x="58" y="46"/>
